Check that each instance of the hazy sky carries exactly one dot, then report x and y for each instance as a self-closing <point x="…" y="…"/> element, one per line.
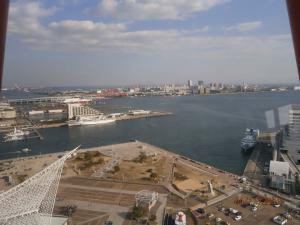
<point x="128" y="42"/>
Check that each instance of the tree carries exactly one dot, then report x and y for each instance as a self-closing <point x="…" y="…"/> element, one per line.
<point x="116" y="169"/>
<point x="138" y="212"/>
<point x="153" y="175"/>
<point x="152" y="218"/>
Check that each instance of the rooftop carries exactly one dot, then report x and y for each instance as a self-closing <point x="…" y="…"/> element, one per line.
<point x="279" y="168"/>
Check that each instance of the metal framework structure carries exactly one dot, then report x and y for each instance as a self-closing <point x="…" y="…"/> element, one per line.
<point x="32" y="202"/>
<point x="146" y="198"/>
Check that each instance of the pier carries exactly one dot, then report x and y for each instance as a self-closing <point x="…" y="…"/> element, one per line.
<point x="117" y="118"/>
<point x="133" y="117"/>
<point x="24" y="125"/>
<point x="264" y="151"/>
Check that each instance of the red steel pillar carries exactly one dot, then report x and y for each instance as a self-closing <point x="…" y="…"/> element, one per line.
<point x="294" y="15"/>
<point x="4" y="5"/>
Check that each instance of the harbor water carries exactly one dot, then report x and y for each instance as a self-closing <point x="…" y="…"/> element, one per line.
<point x="204" y="128"/>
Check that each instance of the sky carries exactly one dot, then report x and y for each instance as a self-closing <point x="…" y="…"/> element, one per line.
<point x="132" y="42"/>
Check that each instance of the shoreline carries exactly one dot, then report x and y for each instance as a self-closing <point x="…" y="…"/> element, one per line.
<point x="166" y="95"/>
<point x="155" y="148"/>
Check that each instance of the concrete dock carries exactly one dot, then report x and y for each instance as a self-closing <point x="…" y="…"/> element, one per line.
<point x="254" y="169"/>
<point x="151" y="114"/>
<point x="118" y="118"/>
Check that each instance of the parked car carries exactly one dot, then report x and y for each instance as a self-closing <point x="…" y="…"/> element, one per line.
<point x="201" y="210"/>
<point x="237" y="217"/>
<point x="210" y="215"/>
<point x="232" y="210"/>
<point x="286" y="215"/>
<point x="279" y="220"/>
<point x="218" y="219"/>
<point x="108" y="222"/>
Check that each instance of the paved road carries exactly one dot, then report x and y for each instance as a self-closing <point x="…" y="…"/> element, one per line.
<point x="117" y="213"/>
<point x="160" y="211"/>
<point x="118" y="191"/>
<point x="190" y="164"/>
<point x="293" y="167"/>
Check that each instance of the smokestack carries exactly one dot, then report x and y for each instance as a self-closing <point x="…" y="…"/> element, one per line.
<point x="294" y="15"/>
<point x="4" y="5"/>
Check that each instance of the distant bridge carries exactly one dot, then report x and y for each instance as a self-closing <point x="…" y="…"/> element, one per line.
<point x="59" y="99"/>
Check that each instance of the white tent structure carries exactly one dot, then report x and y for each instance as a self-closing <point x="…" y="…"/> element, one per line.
<point x="32" y="202"/>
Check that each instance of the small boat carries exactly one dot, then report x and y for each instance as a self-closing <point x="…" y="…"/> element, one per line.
<point x="16" y="135"/>
<point x="26" y="150"/>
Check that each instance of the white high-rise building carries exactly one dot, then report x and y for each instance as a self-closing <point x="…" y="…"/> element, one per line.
<point x="190" y="83"/>
<point x="292" y="141"/>
<point x="76" y="109"/>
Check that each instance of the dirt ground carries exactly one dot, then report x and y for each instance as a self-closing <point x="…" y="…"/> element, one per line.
<point x="141" y="172"/>
<point x="22" y="168"/>
<point x="193" y="179"/>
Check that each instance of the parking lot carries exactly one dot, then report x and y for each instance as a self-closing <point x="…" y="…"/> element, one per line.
<point x="252" y="210"/>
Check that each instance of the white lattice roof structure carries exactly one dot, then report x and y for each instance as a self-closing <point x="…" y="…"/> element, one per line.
<point x="146" y="198"/>
<point x="32" y="202"/>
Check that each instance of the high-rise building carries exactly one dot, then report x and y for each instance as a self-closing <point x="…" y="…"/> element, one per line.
<point x="292" y="140"/>
<point x="190" y="83"/>
<point x="6" y="111"/>
<point x="76" y="109"/>
<point x="200" y="83"/>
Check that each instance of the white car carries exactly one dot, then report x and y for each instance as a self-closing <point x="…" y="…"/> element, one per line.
<point x="254" y="209"/>
<point x="232" y="210"/>
<point x="218" y="219"/>
<point x="279" y="220"/>
<point x="237" y="218"/>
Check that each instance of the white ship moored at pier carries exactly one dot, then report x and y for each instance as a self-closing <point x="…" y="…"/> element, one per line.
<point x="90" y="120"/>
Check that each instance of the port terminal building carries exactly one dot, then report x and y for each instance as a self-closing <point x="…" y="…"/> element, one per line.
<point x="77" y="109"/>
<point x="291" y="137"/>
<point x="6" y="111"/>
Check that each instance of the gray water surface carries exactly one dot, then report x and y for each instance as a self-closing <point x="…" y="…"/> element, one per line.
<point x="204" y="128"/>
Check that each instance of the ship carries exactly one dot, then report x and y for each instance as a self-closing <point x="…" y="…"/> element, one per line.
<point x="26" y="150"/>
<point x="90" y="120"/>
<point x="16" y="135"/>
<point x="77" y="100"/>
<point x="249" y="141"/>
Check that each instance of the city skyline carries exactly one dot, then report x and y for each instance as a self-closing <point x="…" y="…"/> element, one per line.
<point x="79" y="43"/>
